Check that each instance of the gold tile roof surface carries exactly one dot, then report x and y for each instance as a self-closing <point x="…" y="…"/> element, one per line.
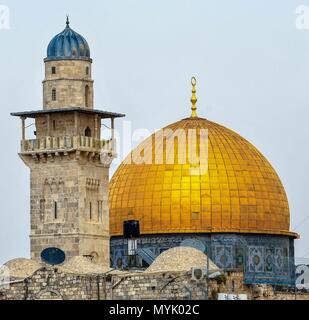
<point x="240" y="192"/>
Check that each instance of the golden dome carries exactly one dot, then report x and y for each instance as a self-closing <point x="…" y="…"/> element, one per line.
<point x="239" y="192"/>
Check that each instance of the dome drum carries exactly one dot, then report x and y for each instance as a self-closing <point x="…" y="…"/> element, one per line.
<point x="262" y="258"/>
<point x="57" y="58"/>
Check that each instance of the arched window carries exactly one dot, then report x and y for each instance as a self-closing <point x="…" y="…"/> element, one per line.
<point x="54" y="94"/>
<point x="87" y="96"/>
<point x="87" y="132"/>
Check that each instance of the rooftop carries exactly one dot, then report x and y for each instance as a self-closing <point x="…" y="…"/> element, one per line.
<point x="101" y="113"/>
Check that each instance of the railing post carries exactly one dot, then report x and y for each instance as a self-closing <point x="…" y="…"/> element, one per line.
<point x="53" y="143"/>
<point x="48" y="143"/>
<point x="75" y="142"/>
<point x="61" y="142"/>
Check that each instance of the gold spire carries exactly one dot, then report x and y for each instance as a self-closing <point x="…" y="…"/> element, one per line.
<point x="193" y="98"/>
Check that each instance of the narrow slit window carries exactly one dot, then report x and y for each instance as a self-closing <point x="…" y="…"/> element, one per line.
<point x="87" y="71"/>
<point x="90" y="210"/>
<point x="55" y="210"/>
<point x="53" y="70"/>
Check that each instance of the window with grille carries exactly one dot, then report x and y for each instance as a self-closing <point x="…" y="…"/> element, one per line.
<point x="54" y="95"/>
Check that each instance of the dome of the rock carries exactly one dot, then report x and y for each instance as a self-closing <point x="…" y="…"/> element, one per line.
<point x="198" y="183"/>
<point x="240" y="192"/>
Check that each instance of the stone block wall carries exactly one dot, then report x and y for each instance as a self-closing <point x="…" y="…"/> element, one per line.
<point x="70" y="81"/>
<point x="67" y="124"/>
<point x="54" y="284"/>
<point x="50" y="284"/>
<point x="67" y="209"/>
<point x="173" y="286"/>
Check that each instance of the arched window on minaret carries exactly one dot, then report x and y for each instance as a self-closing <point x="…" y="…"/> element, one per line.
<point x="88" y="132"/>
<point x="54" y="94"/>
<point x="87" y="96"/>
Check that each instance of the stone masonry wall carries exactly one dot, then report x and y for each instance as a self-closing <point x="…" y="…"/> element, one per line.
<point x="70" y="82"/>
<point x="173" y="285"/>
<point x="50" y="283"/>
<point x="69" y="206"/>
<point x="61" y="125"/>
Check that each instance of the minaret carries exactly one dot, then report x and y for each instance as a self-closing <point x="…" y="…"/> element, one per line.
<point x="69" y="172"/>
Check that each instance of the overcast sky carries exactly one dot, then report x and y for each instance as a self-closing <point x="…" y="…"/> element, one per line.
<point x="250" y="59"/>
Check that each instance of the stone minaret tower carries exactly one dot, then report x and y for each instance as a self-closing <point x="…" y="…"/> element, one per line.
<point x="68" y="160"/>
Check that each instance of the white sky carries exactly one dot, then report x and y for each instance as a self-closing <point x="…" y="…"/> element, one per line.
<point x="251" y="62"/>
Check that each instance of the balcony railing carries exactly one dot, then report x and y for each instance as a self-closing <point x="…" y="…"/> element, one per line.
<point x="50" y="144"/>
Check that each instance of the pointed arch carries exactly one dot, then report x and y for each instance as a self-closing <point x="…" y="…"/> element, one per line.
<point x="88" y="132"/>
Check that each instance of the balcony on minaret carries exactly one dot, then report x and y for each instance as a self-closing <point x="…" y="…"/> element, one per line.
<point x="59" y="132"/>
<point x="65" y="144"/>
